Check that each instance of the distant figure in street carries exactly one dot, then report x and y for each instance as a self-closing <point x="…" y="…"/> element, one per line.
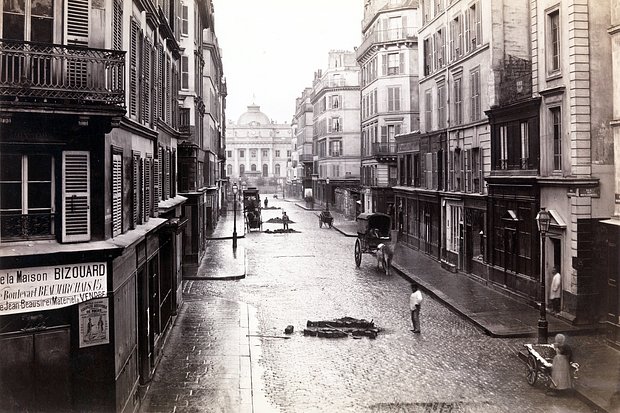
<point x="384" y="254"/>
<point x="266" y="202"/>
<point x="556" y="291"/>
<point x="415" y="301"/>
<point x="285" y="220"/>
<point x="561" y="376"/>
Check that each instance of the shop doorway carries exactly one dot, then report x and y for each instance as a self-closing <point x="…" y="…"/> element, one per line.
<point x="35" y="371"/>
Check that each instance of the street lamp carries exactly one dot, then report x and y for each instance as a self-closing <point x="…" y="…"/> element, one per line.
<point x="543" y="219"/>
<point x="235" y="189"/>
<point x="327" y="192"/>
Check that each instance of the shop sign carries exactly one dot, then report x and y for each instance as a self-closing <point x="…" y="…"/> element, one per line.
<point x="584" y="192"/>
<point x="24" y="290"/>
<point x="94" y="320"/>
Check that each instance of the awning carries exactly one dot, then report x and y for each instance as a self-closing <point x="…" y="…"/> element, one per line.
<point x="612" y="221"/>
<point x="556" y="219"/>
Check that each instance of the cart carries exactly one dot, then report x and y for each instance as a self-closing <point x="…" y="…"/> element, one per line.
<point x="252" y="209"/>
<point x="372" y="229"/>
<point x="326" y="218"/>
<point x="538" y="364"/>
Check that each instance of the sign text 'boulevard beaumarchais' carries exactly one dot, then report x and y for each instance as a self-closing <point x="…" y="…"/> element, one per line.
<point x="38" y="288"/>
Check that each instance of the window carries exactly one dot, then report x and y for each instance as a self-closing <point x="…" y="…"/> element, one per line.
<point x="241" y="153"/>
<point x="184" y="72"/>
<point x="26" y="196"/>
<point x="456" y="38"/>
<point x="253" y="153"/>
<point x="288" y="153"/>
<point x="428" y="110"/>
<point x="525" y="145"/>
<point x="117" y="193"/>
<point x="458" y="101"/>
<point x="265" y="169"/>
<point x="335" y="125"/>
<point x="393" y="99"/>
<point x="553" y="40"/>
<point x="34" y="20"/>
<point x="475" y="94"/>
<point x="277" y="153"/>
<point x="242" y="169"/>
<point x="229" y="170"/>
<point x="503" y="147"/>
<point x="184" y="20"/>
<point x="556" y="122"/>
<point x="475" y="29"/>
<point x="393" y="63"/>
<point x="439" y="49"/>
<point x="253" y="167"/>
<point x="75" y="196"/>
<point x="277" y="170"/>
<point x="335" y="148"/>
<point x="229" y="154"/>
<point x="441" y="106"/>
<point x="334" y="101"/>
<point x="265" y="153"/>
<point x="476" y="167"/>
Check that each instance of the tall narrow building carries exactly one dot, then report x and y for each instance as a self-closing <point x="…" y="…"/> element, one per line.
<point x="303" y="145"/>
<point x="388" y="58"/>
<point x="336" y="136"/>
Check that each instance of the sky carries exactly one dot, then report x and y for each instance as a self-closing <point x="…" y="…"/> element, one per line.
<point x="271" y="48"/>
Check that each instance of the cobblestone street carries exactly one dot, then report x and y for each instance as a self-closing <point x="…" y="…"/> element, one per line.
<point x="451" y="366"/>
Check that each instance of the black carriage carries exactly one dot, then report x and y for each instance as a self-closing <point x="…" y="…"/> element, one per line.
<point x="372" y="229"/>
<point x="252" y="209"/>
<point x="326" y="218"/>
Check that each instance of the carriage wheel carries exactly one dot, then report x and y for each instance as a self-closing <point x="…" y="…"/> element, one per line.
<point x="331" y="223"/>
<point x="320" y="223"/>
<point x="531" y="370"/>
<point x="358" y="253"/>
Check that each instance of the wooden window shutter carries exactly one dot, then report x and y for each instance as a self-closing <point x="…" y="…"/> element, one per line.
<point x="384" y="64"/>
<point x="467" y="171"/>
<point x="133" y="70"/>
<point x="156" y="183"/>
<point x="75" y="196"/>
<point x="135" y="196"/>
<point x="450" y="170"/>
<point x="167" y="182"/>
<point x="146" y="84"/>
<point x="117" y="25"/>
<point x="401" y="59"/>
<point x="146" y="188"/>
<point x="384" y="135"/>
<point x="173" y="174"/>
<point x="78" y="16"/>
<point x="117" y="194"/>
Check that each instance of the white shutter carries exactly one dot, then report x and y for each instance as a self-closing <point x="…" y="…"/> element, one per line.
<point x="157" y="181"/>
<point x="117" y="194"/>
<point x="75" y="196"/>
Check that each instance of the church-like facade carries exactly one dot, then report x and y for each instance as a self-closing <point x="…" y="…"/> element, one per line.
<point x="258" y="150"/>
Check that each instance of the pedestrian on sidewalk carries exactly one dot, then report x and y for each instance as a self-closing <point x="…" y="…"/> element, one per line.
<point x="415" y="301"/>
<point x="266" y="202"/>
<point x="555" y="294"/>
<point x="285" y="220"/>
<point x="561" y="375"/>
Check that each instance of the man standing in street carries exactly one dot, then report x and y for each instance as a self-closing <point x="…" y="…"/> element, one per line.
<point x="415" y="301"/>
<point x="285" y="220"/>
<point x="555" y="294"/>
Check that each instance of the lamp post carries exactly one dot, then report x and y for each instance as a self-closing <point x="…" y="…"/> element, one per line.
<point x="235" y="189"/>
<point x="327" y="193"/>
<point x="543" y="219"/>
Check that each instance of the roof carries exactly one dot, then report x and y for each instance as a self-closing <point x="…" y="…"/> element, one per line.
<point x="253" y="117"/>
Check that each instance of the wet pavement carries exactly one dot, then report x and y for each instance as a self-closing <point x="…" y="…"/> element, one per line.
<point x="311" y="275"/>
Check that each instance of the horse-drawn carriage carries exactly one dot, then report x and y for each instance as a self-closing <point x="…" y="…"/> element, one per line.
<point x="252" y="209"/>
<point x="372" y="230"/>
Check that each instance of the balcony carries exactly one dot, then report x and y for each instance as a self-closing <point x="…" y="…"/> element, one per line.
<point x="184" y="122"/>
<point x="19" y="227"/>
<point x="381" y="148"/>
<point x="63" y="73"/>
<point x="397" y="35"/>
<point x="334" y="83"/>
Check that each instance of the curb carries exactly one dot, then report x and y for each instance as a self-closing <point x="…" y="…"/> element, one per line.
<point x="223" y="238"/>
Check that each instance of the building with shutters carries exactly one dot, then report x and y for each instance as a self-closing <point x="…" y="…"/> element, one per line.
<point x="91" y="222"/>
<point x="201" y="96"/>
<point x="335" y="125"/>
<point x="257" y="149"/>
<point x="388" y="58"/>
<point x="302" y="130"/>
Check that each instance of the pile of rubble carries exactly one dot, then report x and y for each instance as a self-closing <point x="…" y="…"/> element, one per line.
<point x="280" y="231"/>
<point x="277" y="220"/>
<point x="341" y="327"/>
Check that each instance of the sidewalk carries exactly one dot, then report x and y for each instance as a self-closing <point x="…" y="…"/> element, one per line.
<point x="499" y="315"/>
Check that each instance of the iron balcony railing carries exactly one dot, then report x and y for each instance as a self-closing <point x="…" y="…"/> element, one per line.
<point x="17" y="227"/>
<point x="70" y="73"/>
<point x="381" y="148"/>
<point x="386" y="36"/>
<point x="184" y="120"/>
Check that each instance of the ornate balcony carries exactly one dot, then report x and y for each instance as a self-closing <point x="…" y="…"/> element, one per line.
<point x="68" y="74"/>
<point x="17" y="227"/>
<point x="381" y="148"/>
<point x="396" y="36"/>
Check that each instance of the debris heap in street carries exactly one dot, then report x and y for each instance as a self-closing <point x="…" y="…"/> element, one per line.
<point x="341" y="327"/>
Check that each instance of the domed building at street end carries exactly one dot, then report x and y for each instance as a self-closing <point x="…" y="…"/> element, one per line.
<point x="257" y="149"/>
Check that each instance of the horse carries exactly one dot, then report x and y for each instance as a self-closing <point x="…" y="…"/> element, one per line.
<point x="385" y="254"/>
